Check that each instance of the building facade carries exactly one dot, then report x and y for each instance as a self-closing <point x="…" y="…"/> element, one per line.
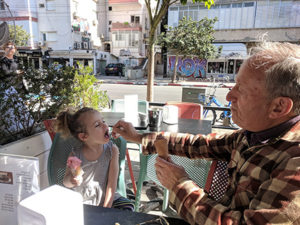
<point x="125" y="27"/>
<point x="239" y="23"/>
<point x="62" y="31"/>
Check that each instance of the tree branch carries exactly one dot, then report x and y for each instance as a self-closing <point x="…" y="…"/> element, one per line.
<point x="148" y="5"/>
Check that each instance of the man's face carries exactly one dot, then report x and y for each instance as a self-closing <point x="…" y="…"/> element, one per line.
<point x="250" y="105"/>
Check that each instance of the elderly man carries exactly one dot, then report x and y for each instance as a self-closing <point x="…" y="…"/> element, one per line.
<point x="263" y="157"/>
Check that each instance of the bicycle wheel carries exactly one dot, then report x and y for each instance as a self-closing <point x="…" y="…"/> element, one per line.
<point x="210" y="115"/>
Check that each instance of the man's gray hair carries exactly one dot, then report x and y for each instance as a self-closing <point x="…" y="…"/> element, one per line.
<point x="281" y="64"/>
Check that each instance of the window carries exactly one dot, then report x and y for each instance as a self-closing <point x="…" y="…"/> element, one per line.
<point x="109" y="22"/>
<point x="2" y="5"/>
<point x="215" y="67"/>
<point x="109" y="29"/>
<point x="109" y="8"/>
<point x="137" y="19"/>
<point x="132" y="19"/>
<point x="248" y="4"/>
<point x="49" y="36"/>
<point x="50" y="5"/>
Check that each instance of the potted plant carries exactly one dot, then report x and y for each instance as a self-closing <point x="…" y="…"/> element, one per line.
<point x="47" y="91"/>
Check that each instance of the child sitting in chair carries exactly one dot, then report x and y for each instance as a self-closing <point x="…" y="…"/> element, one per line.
<point x="96" y="178"/>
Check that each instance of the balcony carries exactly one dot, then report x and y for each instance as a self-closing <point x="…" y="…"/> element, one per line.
<point x="121" y="1"/>
<point x="126" y="26"/>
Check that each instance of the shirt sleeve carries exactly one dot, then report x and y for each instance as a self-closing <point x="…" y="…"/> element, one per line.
<point x="277" y="200"/>
<point x="212" y="146"/>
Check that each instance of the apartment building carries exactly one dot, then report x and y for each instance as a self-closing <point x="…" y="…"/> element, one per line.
<point x="63" y="31"/>
<point x="125" y="27"/>
<point x="24" y="13"/>
<point x="240" y="23"/>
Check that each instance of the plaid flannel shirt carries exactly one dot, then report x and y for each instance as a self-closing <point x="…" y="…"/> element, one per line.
<point x="264" y="180"/>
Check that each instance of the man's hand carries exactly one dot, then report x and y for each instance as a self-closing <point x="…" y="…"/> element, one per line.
<point x="168" y="173"/>
<point x="127" y="131"/>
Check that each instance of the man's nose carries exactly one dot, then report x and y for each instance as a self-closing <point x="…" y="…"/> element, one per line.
<point x="230" y="95"/>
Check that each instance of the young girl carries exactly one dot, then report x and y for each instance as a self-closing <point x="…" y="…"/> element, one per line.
<point x="99" y="159"/>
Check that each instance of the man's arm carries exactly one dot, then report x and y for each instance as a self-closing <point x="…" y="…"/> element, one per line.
<point x="276" y="201"/>
<point x="212" y="146"/>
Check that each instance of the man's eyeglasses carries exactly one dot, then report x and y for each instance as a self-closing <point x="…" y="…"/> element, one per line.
<point x="10" y="47"/>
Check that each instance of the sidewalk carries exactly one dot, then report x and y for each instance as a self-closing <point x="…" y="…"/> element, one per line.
<point x="159" y="80"/>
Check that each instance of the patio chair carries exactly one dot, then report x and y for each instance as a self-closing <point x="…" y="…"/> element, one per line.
<point x="60" y="151"/>
<point x="217" y="179"/>
<point x="188" y="110"/>
<point x="197" y="169"/>
<point x="117" y="105"/>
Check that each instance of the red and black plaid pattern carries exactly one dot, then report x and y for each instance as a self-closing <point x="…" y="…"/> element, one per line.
<point x="263" y="180"/>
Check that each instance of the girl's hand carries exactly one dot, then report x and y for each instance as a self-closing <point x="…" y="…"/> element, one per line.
<point x="76" y="181"/>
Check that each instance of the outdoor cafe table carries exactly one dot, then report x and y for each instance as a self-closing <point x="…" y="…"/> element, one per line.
<point x="97" y="215"/>
<point x="190" y="126"/>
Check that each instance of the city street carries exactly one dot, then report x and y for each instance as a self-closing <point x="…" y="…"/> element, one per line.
<point x="162" y="94"/>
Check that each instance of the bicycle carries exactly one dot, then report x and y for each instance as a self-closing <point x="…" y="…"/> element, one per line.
<point x="211" y="114"/>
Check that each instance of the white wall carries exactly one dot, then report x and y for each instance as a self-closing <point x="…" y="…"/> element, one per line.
<point x="60" y="20"/>
<point x="24" y="10"/>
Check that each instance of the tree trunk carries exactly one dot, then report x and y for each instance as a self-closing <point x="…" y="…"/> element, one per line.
<point x="175" y="69"/>
<point x="151" y="63"/>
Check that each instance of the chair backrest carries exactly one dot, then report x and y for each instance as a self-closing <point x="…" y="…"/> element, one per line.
<point x="49" y="125"/>
<point x="60" y="151"/>
<point x="188" y="110"/>
<point x="217" y="180"/>
<point x="196" y="169"/>
<point x="117" y="105"/>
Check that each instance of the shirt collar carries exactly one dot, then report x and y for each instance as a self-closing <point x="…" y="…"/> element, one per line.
<point x="256" y="138"/>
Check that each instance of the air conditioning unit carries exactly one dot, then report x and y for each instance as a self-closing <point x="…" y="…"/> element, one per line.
<point x="42" y="5"/>
<point x="41" y="44"/>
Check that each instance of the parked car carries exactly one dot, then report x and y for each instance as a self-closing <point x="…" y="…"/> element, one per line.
<point x="115" y="69"/>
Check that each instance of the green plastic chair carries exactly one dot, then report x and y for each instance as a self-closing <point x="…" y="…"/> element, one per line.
<point x="60" y="151"/>
<point x="196" y="169"/>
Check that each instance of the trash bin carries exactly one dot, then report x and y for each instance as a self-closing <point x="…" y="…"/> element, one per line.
<point x="196" y="95"/>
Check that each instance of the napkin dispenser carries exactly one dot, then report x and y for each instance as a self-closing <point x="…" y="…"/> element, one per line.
<point x="55" y="205"/>
<point x="170" y="114"/>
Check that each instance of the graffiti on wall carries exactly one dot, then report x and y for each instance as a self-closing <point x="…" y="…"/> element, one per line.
<point x="189" y="67"/>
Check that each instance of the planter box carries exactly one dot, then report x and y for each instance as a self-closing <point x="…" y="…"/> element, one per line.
<point x="37" y="145"/>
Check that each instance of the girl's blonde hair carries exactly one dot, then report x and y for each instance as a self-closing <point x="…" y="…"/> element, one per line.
<point x="68" y="122"/>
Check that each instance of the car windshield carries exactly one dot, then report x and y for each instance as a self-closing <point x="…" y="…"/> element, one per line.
<point x="110" y="65"/>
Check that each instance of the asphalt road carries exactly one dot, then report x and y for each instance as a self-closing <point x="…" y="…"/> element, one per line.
<point x="162" y="94"/>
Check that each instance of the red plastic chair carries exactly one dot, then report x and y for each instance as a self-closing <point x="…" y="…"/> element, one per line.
<point x="49" y="125"/>
<point x="188" y="110"/>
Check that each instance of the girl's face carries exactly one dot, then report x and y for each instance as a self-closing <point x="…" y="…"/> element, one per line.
<point x="96" y="129"/>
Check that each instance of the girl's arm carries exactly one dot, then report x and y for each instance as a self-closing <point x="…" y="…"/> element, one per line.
<point x="113" y="174"/>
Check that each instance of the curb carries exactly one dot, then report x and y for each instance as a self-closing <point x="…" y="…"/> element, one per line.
<point x="162" y="84"/>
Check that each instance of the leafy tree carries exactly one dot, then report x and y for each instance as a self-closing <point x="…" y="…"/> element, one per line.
<point x="190" y="38"/>
<point x="156" y="14"/>
<point x="22" y="36"/>
<point x="86" y="94"/>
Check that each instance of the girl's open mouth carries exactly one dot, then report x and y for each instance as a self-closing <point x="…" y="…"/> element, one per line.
<point x="107" y="135"/>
